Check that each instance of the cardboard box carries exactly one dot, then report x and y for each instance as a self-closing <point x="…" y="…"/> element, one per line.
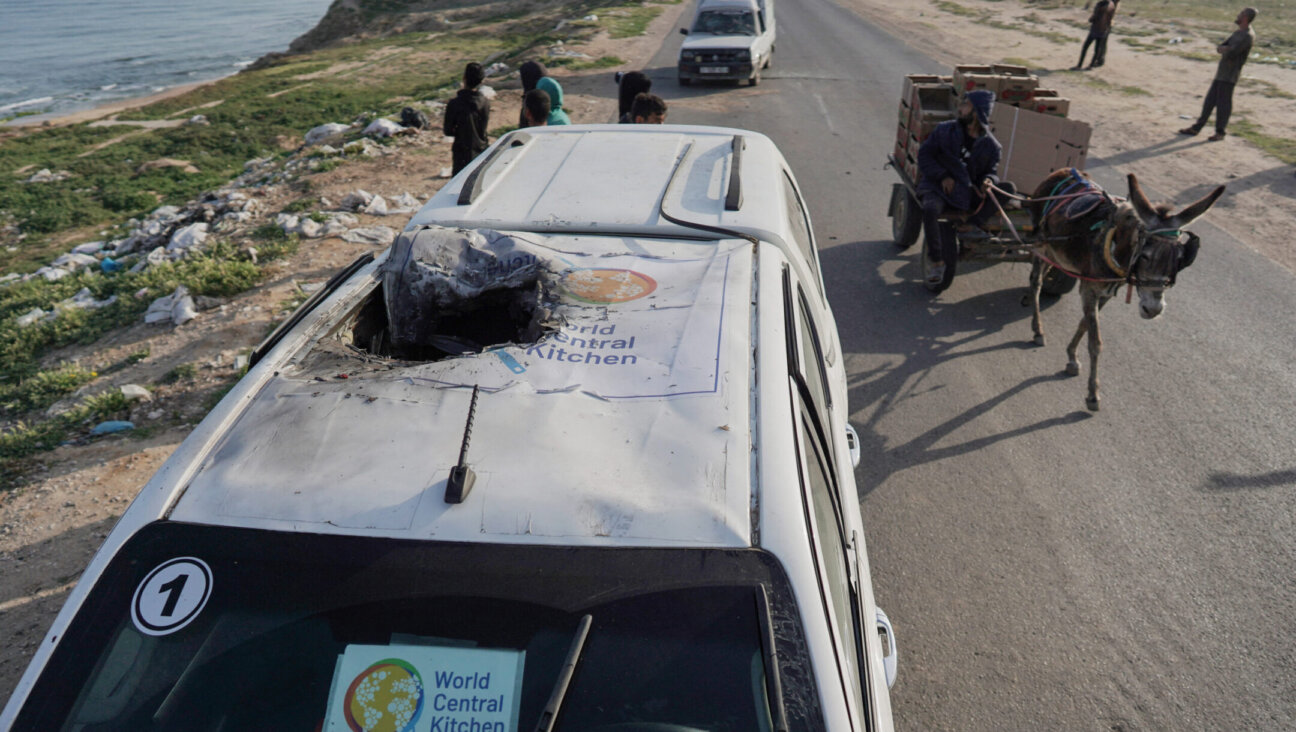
<point x="905" y="112"/>
<point x="1050" y="105"/>
<point x="1045" y="93"/>
<point x="1017" y="88"/>
<point x="976" y="76"/>
<point x="1009" y="70"/>
<point x="901" y="150"/>
<point x="912" y="79"/>
<point x="933" y="98"/>
<point x="902" y="134"/>
<point x="1035" y="144"/>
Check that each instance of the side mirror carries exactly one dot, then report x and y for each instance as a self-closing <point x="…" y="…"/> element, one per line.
<point x="683" y="31"/>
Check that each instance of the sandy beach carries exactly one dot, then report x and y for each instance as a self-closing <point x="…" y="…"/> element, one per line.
<point x="104" y="111"/>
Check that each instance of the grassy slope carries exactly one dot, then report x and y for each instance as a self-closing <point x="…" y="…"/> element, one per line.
<point x="254" y="114"/>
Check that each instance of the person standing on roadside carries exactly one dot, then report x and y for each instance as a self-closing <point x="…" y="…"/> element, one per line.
<point x="467" y="118"/>
<point x="630" y="85"/>
<point x="1219" y="98"/>
<point x="648" y="109"/>
<point x="531" y="72"/>
<point x="535" y="109"/>
<point x="1100" y="22"/>
<point x="550" y="86"/>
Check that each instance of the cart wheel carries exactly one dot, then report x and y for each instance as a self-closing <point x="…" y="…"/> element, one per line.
<point x="1057" y="283"/>
<point x="949" y="254"/>
<point x="906" y="217"/>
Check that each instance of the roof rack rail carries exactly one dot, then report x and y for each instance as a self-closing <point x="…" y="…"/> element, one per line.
<point x="734" y="196"/>
<point x="473" y="185"/>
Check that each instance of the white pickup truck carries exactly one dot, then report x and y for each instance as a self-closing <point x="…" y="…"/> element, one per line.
<point x="729" y="40"/>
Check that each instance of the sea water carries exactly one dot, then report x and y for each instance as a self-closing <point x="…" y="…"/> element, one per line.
<point x="59" y="56"/>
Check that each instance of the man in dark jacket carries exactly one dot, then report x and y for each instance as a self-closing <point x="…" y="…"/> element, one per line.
<point x="1100" y="23"/>
<point x="1219" y="98"/>
<point x="955" y="163"/>
<point x="467" y="117"/>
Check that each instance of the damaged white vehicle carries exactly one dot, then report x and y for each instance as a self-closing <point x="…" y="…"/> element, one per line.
<point x="573" y="454"/>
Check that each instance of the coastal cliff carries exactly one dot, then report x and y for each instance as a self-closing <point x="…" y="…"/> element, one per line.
<point x="349" y="20"/>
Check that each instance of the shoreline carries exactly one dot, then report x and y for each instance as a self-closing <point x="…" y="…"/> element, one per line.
<point x="107" y="109"/>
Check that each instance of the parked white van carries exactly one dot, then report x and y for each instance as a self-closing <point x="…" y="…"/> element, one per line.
<point x="572" y="454"/>
<point x="728" y="40"/>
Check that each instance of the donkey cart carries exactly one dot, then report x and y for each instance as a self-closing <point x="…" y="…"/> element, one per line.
<point x="992" y="241"/>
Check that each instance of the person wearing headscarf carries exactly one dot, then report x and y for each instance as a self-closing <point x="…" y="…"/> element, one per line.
<point x="630" y="85"/>
<point x="550" y="86"/>
<point x="531" y="72"/>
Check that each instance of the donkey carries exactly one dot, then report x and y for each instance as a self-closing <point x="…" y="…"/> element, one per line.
<point x="1106" y="243"/>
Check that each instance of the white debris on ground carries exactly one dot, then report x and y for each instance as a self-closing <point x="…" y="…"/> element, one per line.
<point x="188" y="237"/>
<point x="178" y="307"/>
<point x="558" y="51"/>
<point x="380" y="235"/>
<point x="85" y="300"/>
<point x="135" y="392"/>
<point x="173" y="232"/>
<point x="363" y="201"/>
<point x="497" y="69"/>
<point x="323" y="132"/>
<point x="45" y="176"/>
<point x="383" y="128"/>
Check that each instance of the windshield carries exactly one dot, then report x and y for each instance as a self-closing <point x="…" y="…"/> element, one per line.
<point x="209" y="628"/>
<point x="726" y="23"/>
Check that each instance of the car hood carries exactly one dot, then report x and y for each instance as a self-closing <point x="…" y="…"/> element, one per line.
<point x="705" y="41"/>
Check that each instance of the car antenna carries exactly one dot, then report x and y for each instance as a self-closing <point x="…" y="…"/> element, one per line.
<point x="462" y="477"/>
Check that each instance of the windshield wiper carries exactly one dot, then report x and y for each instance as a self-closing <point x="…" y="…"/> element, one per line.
<point x="773" y="680"/>
<point x="550" y="713"/>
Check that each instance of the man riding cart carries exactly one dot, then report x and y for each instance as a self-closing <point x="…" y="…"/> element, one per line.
<point x="958" y="161"/>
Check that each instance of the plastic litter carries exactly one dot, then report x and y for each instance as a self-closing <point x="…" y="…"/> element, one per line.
<point x="134" y="392"/>
<point x="112" y="426"/>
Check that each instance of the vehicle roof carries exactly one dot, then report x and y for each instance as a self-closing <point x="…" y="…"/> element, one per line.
<point x="727" y="5"/>
<point x="636" y="177"/>
<point x="653" y="451"/>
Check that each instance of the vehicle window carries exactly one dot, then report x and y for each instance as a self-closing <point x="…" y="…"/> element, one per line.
<point x="830" y="548"/>
<point x="806" y="357"/>
<point x="815" y="372"/>
<point x="677" y="641"/>
<point x="800" y="223"/>
<point x="726" y="23"/>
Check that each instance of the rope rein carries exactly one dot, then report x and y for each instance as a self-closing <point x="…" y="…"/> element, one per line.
<point x="1052" y="200"/>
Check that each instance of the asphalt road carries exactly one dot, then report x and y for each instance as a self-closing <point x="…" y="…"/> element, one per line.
<point x="1045" y="567"/>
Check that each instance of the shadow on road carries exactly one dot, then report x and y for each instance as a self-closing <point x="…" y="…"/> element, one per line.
<point x="919" y="332"/>
<point x="1237" y="482"/>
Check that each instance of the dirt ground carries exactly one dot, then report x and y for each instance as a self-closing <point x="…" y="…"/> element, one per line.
<point x="50" y="527"/>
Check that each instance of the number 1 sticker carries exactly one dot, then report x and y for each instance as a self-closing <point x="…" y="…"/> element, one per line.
<point x="171" y="596"/>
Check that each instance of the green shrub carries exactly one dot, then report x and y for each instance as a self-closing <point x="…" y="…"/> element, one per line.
<point x="43" y="388"/>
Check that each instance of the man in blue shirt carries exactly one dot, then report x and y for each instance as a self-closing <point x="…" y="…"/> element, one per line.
<point x="955" y="163"/>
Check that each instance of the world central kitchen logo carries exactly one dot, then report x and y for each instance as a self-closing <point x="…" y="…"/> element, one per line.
<point x="389" y="696"/>
<point x="607" y="286"/>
